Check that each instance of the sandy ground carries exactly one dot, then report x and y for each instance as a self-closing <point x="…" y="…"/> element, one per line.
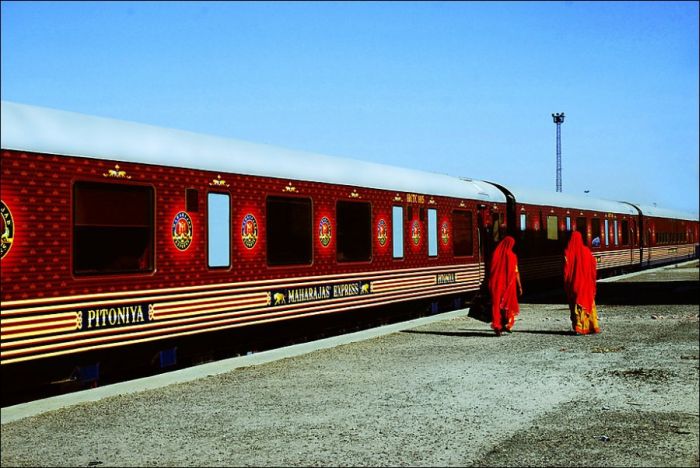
<point x="445" y="394"/>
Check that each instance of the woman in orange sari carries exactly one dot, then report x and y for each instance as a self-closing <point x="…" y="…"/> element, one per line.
<point x="503" y="280"/>
<point x="580" y="287"/>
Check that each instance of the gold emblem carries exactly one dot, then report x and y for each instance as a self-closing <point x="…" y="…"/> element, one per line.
<point x="415" y="232"/>
<point x="382" y="232"/>
<point x="324" y="231"/>
<point x="7" y="230"/>
<point x="249" y="231"/>
<point x="117" y="173"/>
<point x="182" y="231"/>
<point x="445" y="233"/>
<point x="218" y="182"/>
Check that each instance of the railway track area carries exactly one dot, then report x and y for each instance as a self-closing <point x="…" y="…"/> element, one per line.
<point x="440" y="390"/>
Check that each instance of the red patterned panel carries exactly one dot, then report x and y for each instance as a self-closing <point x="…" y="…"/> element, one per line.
<point x="38" y="190"/>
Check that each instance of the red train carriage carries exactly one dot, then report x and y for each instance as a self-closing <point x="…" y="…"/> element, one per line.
<point x="541" y="223"/>
<point x="124" y="234"/>
<point x="668" y="236"/>
<point x="121" y="235"/>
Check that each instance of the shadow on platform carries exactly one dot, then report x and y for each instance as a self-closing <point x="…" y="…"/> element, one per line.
<point x="544" y="332"/>
<point x="650" y="292"/>
<point x="489" y="333"/>
<point x="462" y="334"/>
<point x="629" y="293"/>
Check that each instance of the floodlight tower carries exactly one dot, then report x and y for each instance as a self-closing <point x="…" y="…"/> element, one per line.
<point x="558" y="119"/>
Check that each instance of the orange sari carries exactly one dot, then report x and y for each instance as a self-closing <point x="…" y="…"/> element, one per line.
<point x="580" y="286"/>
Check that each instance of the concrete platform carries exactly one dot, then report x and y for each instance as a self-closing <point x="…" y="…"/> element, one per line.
<point x="438" y="391"/>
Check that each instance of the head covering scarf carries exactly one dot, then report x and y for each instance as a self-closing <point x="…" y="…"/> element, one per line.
<point x="579" y="272"/>
<point x="502" y="279"/>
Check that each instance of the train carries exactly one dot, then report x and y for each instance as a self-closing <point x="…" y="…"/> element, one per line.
<point x="119" y="235"/>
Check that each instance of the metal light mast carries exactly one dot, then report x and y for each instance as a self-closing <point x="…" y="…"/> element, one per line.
<point x="558" y="119"/>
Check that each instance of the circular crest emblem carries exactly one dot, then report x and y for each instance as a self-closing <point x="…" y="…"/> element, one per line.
<point x="7" y="229"/>
<point x="182" y="231"/>
<point x="382" y="232"/>
<point x="415" y="232"/>
<point x="324" y="231"/>
<point x="249" y="231"/>
<point x="445" y="233"/>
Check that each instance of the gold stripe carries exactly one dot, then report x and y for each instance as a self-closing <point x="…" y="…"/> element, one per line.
<point x="48" y="324"/>
<point x="223" y="327"/>
<point x="35" y="318"/>
<point x="67" y="328"/>
<point x="258" y="285"/>
<point x="281" y="284"/>
<point x="167" y="313"/>
<point x="165" y="325"/>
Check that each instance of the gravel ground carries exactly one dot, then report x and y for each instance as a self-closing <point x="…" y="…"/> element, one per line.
<point x="443" y="394"/>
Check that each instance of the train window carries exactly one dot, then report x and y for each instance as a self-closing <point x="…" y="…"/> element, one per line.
<point x="615" y="233"/>
<point x="432" y="233"/>
<point x="523" y="221"/>
<point x="462" y="229"/>
<point x="354" y="231"/>
<point x="568" y="223"/>
<point x="219" y="230"/>
<point x="581" y="228"/>
<point x="192" y="200"/>
<point x="107" y="239"/>
<point x="552" y="228"/>
<point x="397" y="230"/>
<point x="289" y="233"/>
<point x="606" y="233"/>
<point x="625" y="232"/>
<point x="595" y="232"/>
<point x="498" y="221"/>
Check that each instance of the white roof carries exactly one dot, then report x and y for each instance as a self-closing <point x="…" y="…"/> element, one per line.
<point x="42" y="130"/>
<point x="565" y="200"/>
<point x="649" y="210"/>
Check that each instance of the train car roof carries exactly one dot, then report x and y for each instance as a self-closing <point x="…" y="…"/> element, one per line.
<point x="564" y="200"/>
<point x="649" y="210"/>
<point x="43" y="130"/>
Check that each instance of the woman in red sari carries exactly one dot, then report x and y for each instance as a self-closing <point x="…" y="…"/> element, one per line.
<point x="579" y="284"/>
<point x="504" y="286"/>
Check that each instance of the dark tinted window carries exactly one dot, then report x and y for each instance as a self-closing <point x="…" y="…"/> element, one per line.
<point x="192" y="200"/>
<point x="462" y="228"/>
<point x="354" y="243"/>
<point x="112" y="228"/>
<point x="288" y="228"/>
<point x="625" y="232"/>
<point x="581" y="228"/>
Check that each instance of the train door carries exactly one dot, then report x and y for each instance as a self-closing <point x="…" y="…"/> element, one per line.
<point x="485" y="235"/>
<point x="634" y="242"/>
<point x="648" y="241"/>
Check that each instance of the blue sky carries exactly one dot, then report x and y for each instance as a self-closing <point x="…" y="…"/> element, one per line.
<point x="462" y="88"/>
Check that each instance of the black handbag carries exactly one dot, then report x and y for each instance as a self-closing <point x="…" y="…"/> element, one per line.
<point x="480" y="308"/>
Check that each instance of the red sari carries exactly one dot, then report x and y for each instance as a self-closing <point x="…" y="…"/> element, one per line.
<point x="580" y="286"/>
<point x="504" y="282"/>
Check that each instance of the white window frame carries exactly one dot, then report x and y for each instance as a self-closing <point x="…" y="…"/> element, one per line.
<point x="218" y="230"/>
<point x="432" y="233"/>
<point x="397" y="231"/>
